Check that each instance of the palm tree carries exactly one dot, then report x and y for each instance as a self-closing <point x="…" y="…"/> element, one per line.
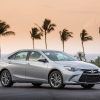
<point x="4" y="31"/>
<point x="80" y="56"/>
<point x="99" y="30"/>
<point x="65" y="35"/>
<point x="85" y="37"/>
<point x="35" y="34"/>
<point x="47" y="27"/>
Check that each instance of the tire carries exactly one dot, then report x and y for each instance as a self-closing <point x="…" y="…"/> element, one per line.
<point x="87" y="86"/>
<point x="56" y="80"/>
<point x="5" y="78"/>
<point x="37" y="84"/>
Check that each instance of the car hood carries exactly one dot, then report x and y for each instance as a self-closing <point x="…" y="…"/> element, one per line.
<point x="77" y="64"/>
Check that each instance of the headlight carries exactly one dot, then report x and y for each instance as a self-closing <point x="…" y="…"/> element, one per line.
<point x="99" y="70"/>
<point x="71" y="68"/>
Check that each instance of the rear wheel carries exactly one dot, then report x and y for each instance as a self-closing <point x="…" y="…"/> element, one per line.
<point x="87" y="86"/>
<point x="56" y="80"/>
<point x="37" y="84"/>
<point x="5" y="78"/>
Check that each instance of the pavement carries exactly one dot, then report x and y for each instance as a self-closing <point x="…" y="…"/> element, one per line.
<point x="22" y="91"/>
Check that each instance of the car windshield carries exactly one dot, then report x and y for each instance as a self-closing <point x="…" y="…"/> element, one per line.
<point x="58" y="56"/>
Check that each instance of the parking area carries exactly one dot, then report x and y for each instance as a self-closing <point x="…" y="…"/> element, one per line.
<point x="29" y="92"/>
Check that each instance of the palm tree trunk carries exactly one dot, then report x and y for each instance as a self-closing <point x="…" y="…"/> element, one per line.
<point x="0" y="51"/>
<point x="45" y="39"/>
<point x="83" y="50"/>
<point x="63" y="45"/>
<point x="33" y="43"/>
<point x="80" y="57"/>
<point x="0" y="48"/>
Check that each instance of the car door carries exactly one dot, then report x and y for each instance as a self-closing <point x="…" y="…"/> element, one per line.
<point x="18" y="63"/>
<point x="37" y="70"/>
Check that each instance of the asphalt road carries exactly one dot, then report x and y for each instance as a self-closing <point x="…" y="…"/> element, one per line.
<point x="29" y="92"/>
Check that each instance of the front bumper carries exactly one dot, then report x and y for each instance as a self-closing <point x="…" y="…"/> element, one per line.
<point x="81" y="77"/>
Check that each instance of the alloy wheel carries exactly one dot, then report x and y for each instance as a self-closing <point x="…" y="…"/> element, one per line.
<point x="55" y="79"/>
<point x="5" y="78"/>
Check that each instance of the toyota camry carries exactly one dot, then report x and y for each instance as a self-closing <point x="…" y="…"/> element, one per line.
<point x="47" y="66"/>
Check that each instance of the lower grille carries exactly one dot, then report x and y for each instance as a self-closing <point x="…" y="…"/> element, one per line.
<point x="89" y="78"/>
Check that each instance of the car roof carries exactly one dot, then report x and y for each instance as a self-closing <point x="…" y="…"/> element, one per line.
<point x="34" y="50"/>
<point x="40" y="50"/>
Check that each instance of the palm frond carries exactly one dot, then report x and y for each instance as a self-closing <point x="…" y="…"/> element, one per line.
<point x="35" y="33"/>
<point x="46" y="24"/>
<point x="88" y="38"/>
<point x="8" y="33"/>
<point x="51" y="27"/>
<point x="99" y="30"/>
<point x="39" y="27"/>
<point x="65" y="35"/>
<point x="84" y="36"/>
<point x="3" y="29"/>
<point x="37" y="36"/>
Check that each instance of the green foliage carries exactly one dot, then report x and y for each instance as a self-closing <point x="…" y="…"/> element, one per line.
<point x="35" y="33"/>
<point x="96" y="61"/>
<point x="48" y="26"/>
<point x="65" y="34"/>
<point x="80" y="56"/>
<point x="4" y="29"/>
<point x="84" y="36"/>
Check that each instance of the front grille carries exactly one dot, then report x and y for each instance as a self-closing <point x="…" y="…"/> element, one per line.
<point x="91" y="71"/>
<point x="90" y="76"/>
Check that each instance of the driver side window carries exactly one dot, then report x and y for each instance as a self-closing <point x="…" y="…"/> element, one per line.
<point x="35" y="56"/>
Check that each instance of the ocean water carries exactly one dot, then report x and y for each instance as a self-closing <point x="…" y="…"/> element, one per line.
<point x="92" y="56"/>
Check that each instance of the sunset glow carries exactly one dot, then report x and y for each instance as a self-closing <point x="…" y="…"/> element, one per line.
<point x="73" y="15"/>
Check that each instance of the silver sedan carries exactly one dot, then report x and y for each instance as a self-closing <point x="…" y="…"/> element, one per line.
<point x="47" y="66"/>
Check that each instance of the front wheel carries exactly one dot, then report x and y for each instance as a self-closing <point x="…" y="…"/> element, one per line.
<point x="87" y="86"/>
<point x="5" y="78"/>
<point x="56" y="80"/>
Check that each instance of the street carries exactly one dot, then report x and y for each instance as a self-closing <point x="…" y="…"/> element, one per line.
<point x="24" y="91"/>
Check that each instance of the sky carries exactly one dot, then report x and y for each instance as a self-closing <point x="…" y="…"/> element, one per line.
<point x="73" y="15"/>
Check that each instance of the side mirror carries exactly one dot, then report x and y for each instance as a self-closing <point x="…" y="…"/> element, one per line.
<point x="43" y="60"/>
